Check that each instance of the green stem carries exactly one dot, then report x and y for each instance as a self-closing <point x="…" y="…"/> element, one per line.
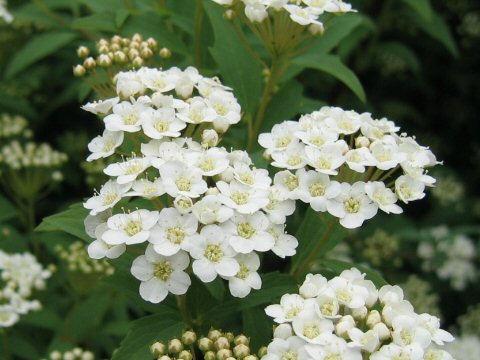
<point x="182" y="306"/>
<point x="303" y="267"/>
<point x="197" y="41"/>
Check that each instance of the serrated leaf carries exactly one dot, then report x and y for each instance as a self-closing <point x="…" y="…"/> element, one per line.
<point x="237" y="66"/>
<point x="36" y="49"/>
<point x="332" y="65"/>
<point x="422" y="7"/>
<point x="69" y="221"/>
<point x="162" y="326"/>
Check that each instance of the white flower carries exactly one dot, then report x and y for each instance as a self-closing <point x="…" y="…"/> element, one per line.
<point x="327" y="305"/>
<point x="367" y="341"/>
<point x="173" y="231"/>
<point x="334" y="348"/>
<point x="290" y="348"/>
<point x="256" y="12"/>
<point x="186" y="81"/>
<point x="394" y="352"/>
<point x="213" y="255"/>
<point x="316" y="189"/>
<point x="161" y="123"/>
<point x="210" y="210"/>
<point x="432" y="324"/>
<point x="312" y="328"/>
<point x="181" y="179"/>
<point x="347" y="293"/>
<point x="197" y="111"/>
<point x="132" y="228"/>
<point x="352" y="206"/>
<point x="327" y="159"/>
<point x="147" y="189"/>
<point x="161" y="274"/>
<point x="91" y="222"/>
<point x="101" y="107"/>
<point x="279" y="206"/>
<point x="110" y="194"/>
<point x="183" y="204"/>
<point x="395" y="309"/>
<point x="105" y="145"/>
<point x="125" y="117"/>
<point x="384" y="197"/>
<point x="288" y="182"/>
<point x="386" y="154"/>
<point x="280" y="136"/>
<point x="8" y="315"/>
<point x="158" y="80"/>
<point x="127" y="171"/>
<point x="317" y="137"/>
<point x="257" y="178"/>
<point x="129" y="83"/>
<point x="357" y="159"/>
<point x="283" y="331"/>
<point x="313" y="285"/>
<point x="99" y="249"/>
<point x="343" y="122"/>
<point x="285" y="244"/>
<point x="242" y="198"/>
<point x="248" y="233"/>
<point x="211" y="162"/>
<point x="409" y="189"/>
<point x="290" y="306"/>
<point x="247" y="277"/>
<point x="292" y="158"/>
<point x="225" y="105"/>
<point x="390" y="294"/>
<point x="301" y="15"/>
<point x="160" y="100"/>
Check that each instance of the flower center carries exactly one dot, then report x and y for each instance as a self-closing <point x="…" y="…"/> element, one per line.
<point x="323" y="163"/>
<point x="246" y="178"/>
<point x="317" y="140"/>
<point x="343" y="295"/>
<point x="289" y="355"/>
<point x="108" y="146"/>
<point x="294" y="160"/>
<point x="317" y="189"/>
<point x="333" y="356"/>
<point x="220" y="109"/>
<point x="406" y="337"/>
<point x="351" y="205"/>
<point x="311" y="331"/>
<point x="183" y="184"/>
<point x="133" y="168"/>
<point x="207" y="165"/>
<point x="130" y="119"/>
<point x="175" y="235"/>
<point x="327" y="308"/>
<point x="162" y="126"/>
<point x="243" y="272"/>
<point x="291" y="182"/>
<point x="240" y="198"/>
<point x="213" y="253"/>
<point x="283" y="141"/>
<point x="163" y="270"/>
<point x="293" y="311"/>
<point x="109" y="198"/>
<point x="245" y="230"/>
<point x="133" y="227"/>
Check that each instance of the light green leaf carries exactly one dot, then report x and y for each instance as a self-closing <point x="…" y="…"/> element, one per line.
<point x="96" y="22"/>
<point x="69" y="221"/>
<point x="238" y="67"/>
<point x="36" y="49"/>
<point x="422" y="7"/>
<point x="162" y="326"/>
<point x="332" y="65"/>
<point x="121" y="16"/>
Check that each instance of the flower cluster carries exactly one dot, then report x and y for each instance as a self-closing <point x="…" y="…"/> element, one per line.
<point x="216" y="345"/>
<point x="21" y="275"/>
<point x="209" y="206"/>
<point x="77" y="260"/>
<point x="4" y="14"/>
<point x="14" y="125"/>
<point x="339" y="161"/>
<point x="451" y="256"/>
<point x="74" y="354"/>
<point x="302" y="12"/>
<point x="337" y="319"/>
<point x="17" y="156"/>
<point x="465" y="348"/>
<point x="449" y="191"/>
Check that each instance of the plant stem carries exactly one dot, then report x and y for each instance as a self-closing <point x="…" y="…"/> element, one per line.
<point x="182" y="306"/>
<point x="197" y="41"/>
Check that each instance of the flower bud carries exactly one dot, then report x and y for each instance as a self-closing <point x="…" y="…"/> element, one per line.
<point x="205" y="344"/>
<point x="134" y="45"/>
<point x="146" y="53"/>
<point x="373" y="318"/>
<point x="185" y="355"/>
<point x="224" y="354"/>
<point x="241" y="350"/>
<point x="175" y="346"/>
<point x="362" y="141"/>
<point x="137" y="62"/>
<point x="115" y="47"/>
<point x="83" y="51"/>
<point x="117" y="39"/>
<point x="104" y="60"/>
<point x="346" y="323"/>
<point x="120" y="57"/>
<point x="250" y="357"/>
<point x="382" y="330"/>
<point x="262" y="351"/>
<point x="79" y="71"/>
<point x="214" y="334"/>
<point x="165" y="53"/>
<point x="164" y="357"/>
<point x="267" y="155"/>
<point x="316" y="29"/>
<point x="210" y="355"/>
<point x="89" y="63"/>
<point x="137" y="37"/>
<point x="133" y="53"/>
<point x="230" y="337"/>
<point x="152" y="43"/>
<point x="189" y="337"/>
<point x="209" y="138"/>
<point x="283" y="331"/>
<point x="360" y="313"/>
<point x="229" y="14"/>
<point x="103" y="49"/>
<point x="222" y="343"/>
<point x="158" y="349"/>
<point x="241" y="339"/>
<point x="221" y="125"/>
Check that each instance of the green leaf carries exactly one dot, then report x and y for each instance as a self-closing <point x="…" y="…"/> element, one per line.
<point x="97" y="22"/>
<point x="438" y="29"/>
<point x="312" y="233"/>
<point x="258" y="326"/>
<point x="121" y="16"/>
<point x="36" y="49"/>
<point x="162" y="326"/>
<point x="421" y="7"/>
<point x="216" y="288"/>
<point x="7" y="210"/>
<point x="69" y="221"/>
<point x="404" y="52"/>
<point x="238" y="67"/>
<point x="338" y="266"/>
<point x="332" y="65"/>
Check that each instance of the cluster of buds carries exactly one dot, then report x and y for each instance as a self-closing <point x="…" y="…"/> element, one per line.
<point x="14" y="126"/>
<point x="217" y="345"/>
<point x="74" y="354"/>
<point x="77" y="260"/>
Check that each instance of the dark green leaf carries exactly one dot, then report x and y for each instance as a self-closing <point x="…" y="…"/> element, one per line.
<point x="438" y="29"/>
<point x="258" y="326"/>
<point x="36" y="49"/>
<point x="216" y="288"/>
<point x="404" y="52"/>
<point x="121" y="16"/>
<point x="422" y="7"/>
<point x="332" y="65"/>
<point x="97" y="22"/>
<point x="7" y="210"/>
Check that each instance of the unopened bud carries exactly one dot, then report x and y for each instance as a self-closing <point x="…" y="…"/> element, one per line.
<point x="262" y="351"/>
<point x="165" y="53"/>
<point x="79" y="70"/>
<point x="214" y="334"/>
<point x="185" y="355"/>
<point x="115" y="47"/>
<point x="362" y="141"/>
<point x="230" y="337"/>
<point x="250" y="357"/>
<point x="283" y="331"/>
<point x="134" y="45"/>
<point x="152" y="43"/>
<point x="164" y="357"/>
<point x="125" y="42"/>
<point x="205" y="344"/>
<point x="89" y="63"/>
<point x="222" y="343"/>
<point x="224" y="354"/>
<point x="229" y="14"/>
<point x="116" y="39"/>
<point x="316" y="29"/>
<point x="189" y="337"/>
<point x="221" y="125"/>
<point x="360" y="313"/>
<point x="267" y="155"/>
<point x="382" y="330"/>
<point x="241" y="350"/>
<point x="146" y="53"/>
<point x="175" y="346"/>
<point x="102" y="42"/>
<point x="241" y="339"/>
<point x="103" y="49"/>
<point x="83" y="51"/>
<point x="210" y="355"/>
<point x="137" y="62"/>
<point x="120" y="57"/>
<point x="346" y="323"/>
<point x="209" y="138"/>
<point x="212" y="191"/>
<point x="137" y="37"/>
<point x="104" y="60"/>
<point x="133" y="53"/>
<point x="158" y="349"/>
<point x="373" y="318"/>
